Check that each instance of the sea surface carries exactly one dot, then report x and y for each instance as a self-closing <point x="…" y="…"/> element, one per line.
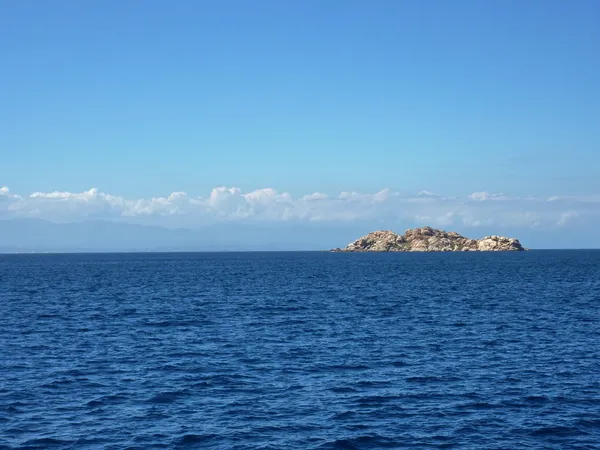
<point x="300" y="351"/>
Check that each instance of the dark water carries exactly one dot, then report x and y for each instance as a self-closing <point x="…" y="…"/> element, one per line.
<point x="300" y="350"/>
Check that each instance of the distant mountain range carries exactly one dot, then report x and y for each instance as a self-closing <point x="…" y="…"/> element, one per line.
<point x="33" y="235"/>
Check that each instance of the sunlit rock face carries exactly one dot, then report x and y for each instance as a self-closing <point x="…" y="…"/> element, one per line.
<point x="427" y="239"/>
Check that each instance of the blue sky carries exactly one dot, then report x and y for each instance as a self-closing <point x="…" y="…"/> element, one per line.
<point x="140" y="99"/>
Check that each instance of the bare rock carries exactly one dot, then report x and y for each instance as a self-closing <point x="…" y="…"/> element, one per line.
<point x="498" y="244"/>
<point x="427" y="239"/>
<point x="378" y="241"/>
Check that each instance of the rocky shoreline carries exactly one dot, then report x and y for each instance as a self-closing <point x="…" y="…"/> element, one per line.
<point x="427" y="239"/>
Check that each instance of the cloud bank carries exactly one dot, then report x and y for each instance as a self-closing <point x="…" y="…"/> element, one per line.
<point x="268" y="205"/>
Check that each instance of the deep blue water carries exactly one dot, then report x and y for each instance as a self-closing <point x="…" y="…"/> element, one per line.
<point x="300" y="350"/>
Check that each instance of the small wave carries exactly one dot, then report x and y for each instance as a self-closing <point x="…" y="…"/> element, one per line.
<point x="555" y="431"/>
<point x="431" y="379"/>
<point x="400" y="363"/>
<point x="58" y="383"/>
<point x="225" y="380"/>
<point x="106" y="400"/>
<point x="537" y="398"/>
<point x="342" y="389"/>
<point x="477" y="406"/>
<point x="12" y="409"/>
<point x="45" y="443"/>
<point x="167" y="397"/>
<point x="348" y="367"/>
<point x="373" y="383"/>
<point x="12" y="406"/>
<point x="192" y="439"/>
<point x="374" y="400"/>
<point x="344" y="415"/>
<point x="361" y="442"/>
<point x="172" y="323"/>
<point x="589" y="423"/>
<point x="510" y="379"/>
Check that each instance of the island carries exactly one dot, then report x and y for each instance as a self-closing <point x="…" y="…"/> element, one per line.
<point x="427" y="239"/>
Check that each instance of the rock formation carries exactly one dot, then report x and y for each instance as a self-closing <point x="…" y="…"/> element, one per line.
<point x="427" y="239"/>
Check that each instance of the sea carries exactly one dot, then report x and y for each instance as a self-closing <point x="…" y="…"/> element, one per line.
<point x="305" y="350"/>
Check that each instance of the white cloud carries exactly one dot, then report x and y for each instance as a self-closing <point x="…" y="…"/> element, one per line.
<point x="266" y="196"/>
<point x="174" y="196"/>
<point x="5" y="193"/>
<point x="483" y="196"/>
<point x="479" y="209"/>
<point x="382" y="195"/>
<point x="566" y="217"/>
<point x="314" y="197"/>
<point x="83" y="196"/>
<point x="575" y="198"/>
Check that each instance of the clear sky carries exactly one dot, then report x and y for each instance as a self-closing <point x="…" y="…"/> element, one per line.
<point x="143" y="98"/>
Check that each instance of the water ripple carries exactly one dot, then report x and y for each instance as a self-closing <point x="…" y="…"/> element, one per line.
<point x="300" y="350"/>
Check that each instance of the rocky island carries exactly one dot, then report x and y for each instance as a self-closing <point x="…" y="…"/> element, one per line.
<point x="427" y="239"/>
